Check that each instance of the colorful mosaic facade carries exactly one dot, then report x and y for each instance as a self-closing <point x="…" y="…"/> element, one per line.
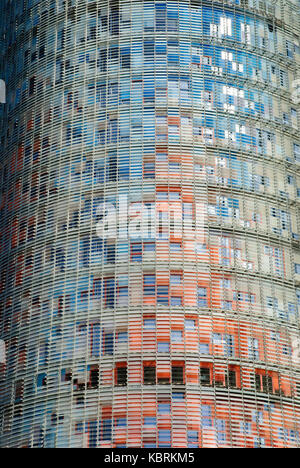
<point x="182" y="117"/>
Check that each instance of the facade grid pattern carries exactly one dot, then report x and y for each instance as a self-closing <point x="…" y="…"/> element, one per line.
<point x="186" y="333"/>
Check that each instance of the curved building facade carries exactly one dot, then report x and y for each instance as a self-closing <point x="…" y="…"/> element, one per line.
<point x="150" y="262"/>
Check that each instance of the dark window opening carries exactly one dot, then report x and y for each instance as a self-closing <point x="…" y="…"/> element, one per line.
<point x="231" y="380"/>
<point x="263" y="383"/>
<point x="121" y="376"/>
<point x="205" y="376"/>
<point x="32" y="82"/>
<point x="94" y="377"/>
<point x="177" y="375"/>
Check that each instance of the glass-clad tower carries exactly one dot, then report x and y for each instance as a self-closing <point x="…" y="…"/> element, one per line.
<point x="150" y="262"/>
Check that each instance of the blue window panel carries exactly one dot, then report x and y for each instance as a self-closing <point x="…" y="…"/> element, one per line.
<point x="121" y="422"/>
<point x="136" y="252"/>
<point x="149" y="324"/>
<point x="109" y="292"/>
<point x="108" y="343"/>
<point x="161" y="49"/>
<point x="203" y="348"/>
<point x="176" y="336"/>
<point x="150" y="421"/>
<point x="164" y="408"/>
<point x="98" y="288"/>
<point x="136" y="166"/>
<point x="149" y="247"/>
<point x="206" y="416"/>
<point x="41" y="379"/>
<point x="149" y="284"/>
<point x="163" y="295"/>
<point x="123" y="168"/>
<point x="106" y="430"/>
<point x="122" y="337"/>
<point x="164" y="435"/>
<point x="95" y="340"/>
<point x="193" y="438"/>
<point x="190" y="324"/>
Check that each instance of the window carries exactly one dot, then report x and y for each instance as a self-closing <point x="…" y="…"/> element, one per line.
<point x="164" y="438"/>
<point x="203" y="348"/>
<point x="41" y="380"/>
<point x="94" y="377"/>
<point x="176" y="246"/>
<point x="150" y="421"/>
<point x="149" y="285"/>
<point x="149" y="247"/>
<point x="121" y="377"/>
<point x="229" y="345"/>
<point x="108" y="343"/>
<point x="162" y="196"/>
<point x="202" y="297"/>
<point x="149" y="324"/>
<point x="163" y="347"/>
<point x="149" y="170"/>
<point x="136" y="252"/>
<point x="192" y="438"/>
<point x="122" y="290"/>
<point x="221" y="431"/>
<point x="272" y="302"/>
<point x="125" y="58"/>
<point x="174" y="167"/>
<point x="253" y="349"/>
<point x="106" y="433"/>
<point x="175" y="279"/>
<point x="206" y="416"/>
<point x="190" y="324"/>
<point x="109" y="292"/>
<point x="32" y="82"/>
<point x="289" y="49"/>
<point x="149" y="375"/>
<point x="231" y="380"/>
<point x="296" y="152"/>
<point x="121" y="422"/>
<point x="297" y="268"/>
<point x="226" y="305"/>
<point x="176" y="301"/>
<point x="163" y="295"/>
<point x="176" y="336"/>
<point x="225" y="283"/>
<point x="263" y="382"/>
<point x="164" y="408"/>
<point x="178" y="396"/>
<point x="225" y="341"/>
<point x="122" y="337"/>
<point x="294" y="116"/>
<point x="174" y="196"/>
<point x="177" y="375"/>
<point x="283" y="78"/>
<point x="110" y="253"/>
<point x="204" y="375"/>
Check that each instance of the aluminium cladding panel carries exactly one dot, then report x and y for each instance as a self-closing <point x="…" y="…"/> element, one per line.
<point x="178" y="325"/>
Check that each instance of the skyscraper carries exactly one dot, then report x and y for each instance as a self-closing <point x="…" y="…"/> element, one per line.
<point x="150" y="263"/>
